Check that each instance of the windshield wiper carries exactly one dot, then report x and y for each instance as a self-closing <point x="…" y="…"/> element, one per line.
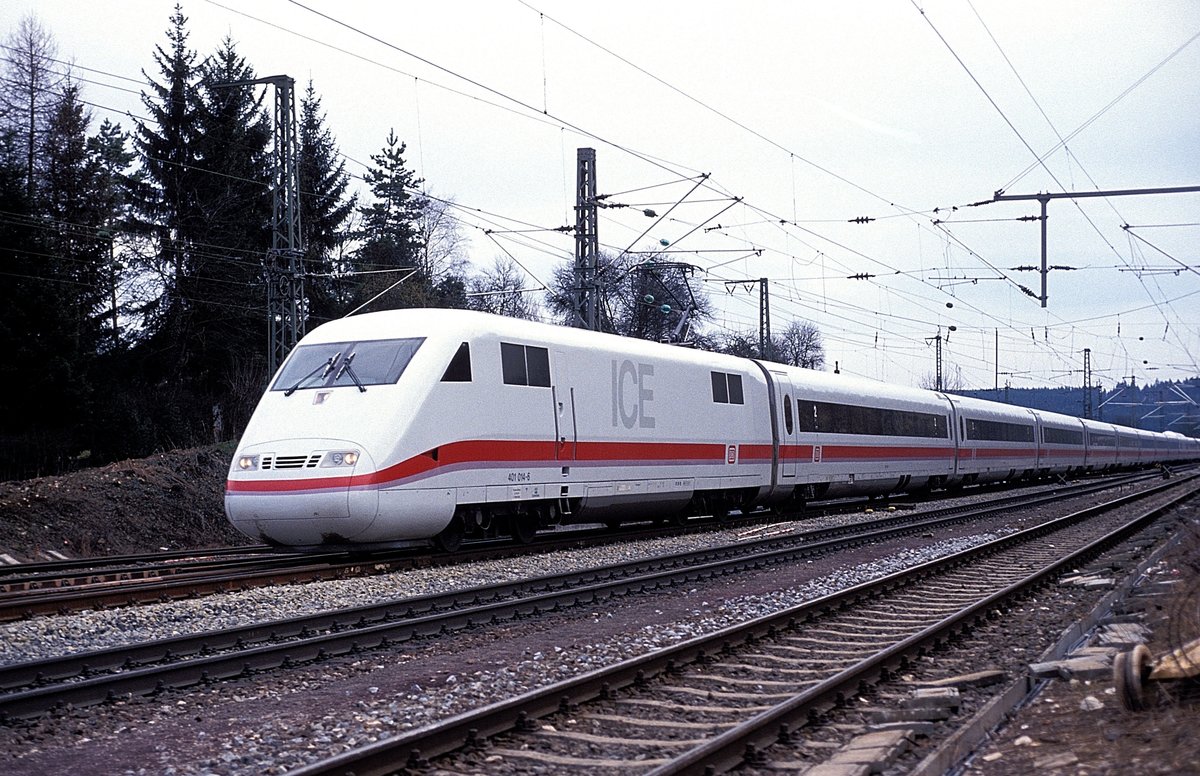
<point x="347" y="369"/>
<point x="328" y="365"/>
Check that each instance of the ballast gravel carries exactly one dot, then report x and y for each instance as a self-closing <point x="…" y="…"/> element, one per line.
<point x="285" y="748"/>
<point x="289" y="725"/>
<point x="44" y="637"/>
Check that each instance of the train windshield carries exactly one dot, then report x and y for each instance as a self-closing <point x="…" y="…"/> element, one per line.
<point x="329" y="365"/>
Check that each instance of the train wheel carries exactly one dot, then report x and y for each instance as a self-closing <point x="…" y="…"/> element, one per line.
<point x="1130" y="670"/>
<point x="451" y="537"/>
<point x="524" y="527"/>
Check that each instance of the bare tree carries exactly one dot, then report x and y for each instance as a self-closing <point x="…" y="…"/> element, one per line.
<point x="30" y="88"/>
<point x="952" y="382"/>
<point x="502" y="290"/>
<point x="640" y="295"/>
<point x="738" y="343"/>
<point x="800" y="345"/>
<point x="441" y="244"/>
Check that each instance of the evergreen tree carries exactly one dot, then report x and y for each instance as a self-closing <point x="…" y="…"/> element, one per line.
<point x="206" y="156"/>
<point x="77" y="262"/>
<point x="27" y="291"/>
<point x="116" y="185"/>
<point x="392" y="217"/>
<point x="78" y="254"/>
<point x="390" y="238"/>
<point x="231" y="234"/>
<point x="325" y="209"/>
<point x="166" y="207"/>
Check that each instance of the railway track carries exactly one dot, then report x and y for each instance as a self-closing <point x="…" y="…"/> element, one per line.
<point x="46" y="572"/>
<point x="736" y="698"/>
<point x="93" y="677"/>
<point x="66" y="586"/>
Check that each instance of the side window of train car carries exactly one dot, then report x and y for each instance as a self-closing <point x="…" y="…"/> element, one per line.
<point x="787" y="414"/>
<point x="525" y="365"/>
<point x="806" y="416"/>
<point x="459" y="370"/>
<point x="999" y="431"/>
<point x="735" y="390"/>
<point x="727" y="388"/>
<point x="1061" y="436"/>
<point x="833" y="418"/>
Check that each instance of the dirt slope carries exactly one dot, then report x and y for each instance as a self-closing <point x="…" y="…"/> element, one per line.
<point x="170" y="500"/>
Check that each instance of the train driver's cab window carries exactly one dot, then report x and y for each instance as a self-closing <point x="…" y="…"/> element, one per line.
<point x="335" y="364"/>
<point x="525" y="365"/>
<point x="459" y="370"/>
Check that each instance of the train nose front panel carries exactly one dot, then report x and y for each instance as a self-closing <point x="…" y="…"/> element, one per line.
<point x="301" y="492"/>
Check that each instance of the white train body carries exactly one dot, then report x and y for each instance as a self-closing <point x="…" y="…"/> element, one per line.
<point x="465" y="422"/>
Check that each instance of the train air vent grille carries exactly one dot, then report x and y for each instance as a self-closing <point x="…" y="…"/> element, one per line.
<point x="288" y="462"/>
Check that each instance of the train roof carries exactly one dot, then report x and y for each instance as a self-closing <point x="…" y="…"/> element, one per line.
<point x="469" y="324"/>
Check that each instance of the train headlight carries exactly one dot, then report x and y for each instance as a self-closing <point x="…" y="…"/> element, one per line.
<point x="248" y="463"/>
<point x="339" y="458"/>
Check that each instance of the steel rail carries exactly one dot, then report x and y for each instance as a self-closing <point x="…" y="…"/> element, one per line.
<point x="733" y="747"/>
<point x="104" y="561"/>
<point x="296" y="568"/>
<point x="469" y="730"/>
<point x="421" y="613"/>
<point x="34" y="585"/>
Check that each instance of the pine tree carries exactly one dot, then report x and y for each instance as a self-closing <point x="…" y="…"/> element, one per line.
<point x="78" y="261"/>
<point x="78" y="254"/>
<point x="116" y="186"/>
<point x="325" y="209"/>
<point x="206" y="154"/>
<point x="389" y="234"/>
<point x="167" y="205"/>
<point x="232" y="231"/>
<point x="26" y="292"/>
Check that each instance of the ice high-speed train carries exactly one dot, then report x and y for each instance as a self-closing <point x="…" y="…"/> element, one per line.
<point x="416" y="426"/>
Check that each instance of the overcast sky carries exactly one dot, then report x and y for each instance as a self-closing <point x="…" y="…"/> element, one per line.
<point x="804" y="116"/>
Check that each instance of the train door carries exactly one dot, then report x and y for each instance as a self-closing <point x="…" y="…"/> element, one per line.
<point x="957" y="429"/>
<point x="788" y="426"/>
<point x="1042" y="456"/>
<point x="562" y="391"/>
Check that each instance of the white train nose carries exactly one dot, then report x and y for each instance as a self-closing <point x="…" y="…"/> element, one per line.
<point x="302" y="492"/>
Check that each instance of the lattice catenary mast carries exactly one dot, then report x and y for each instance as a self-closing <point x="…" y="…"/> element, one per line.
<point x="283" y="267"/>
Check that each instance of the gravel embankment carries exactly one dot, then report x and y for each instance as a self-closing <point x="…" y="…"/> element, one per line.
<point x="280" y="740"/>
<point x="279" y="720"/>
<point x="42" y="637"/>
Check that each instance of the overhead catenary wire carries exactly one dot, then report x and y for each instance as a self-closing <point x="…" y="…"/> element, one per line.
<point x="370" y="36"/>
<point x="555" y="250"/>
